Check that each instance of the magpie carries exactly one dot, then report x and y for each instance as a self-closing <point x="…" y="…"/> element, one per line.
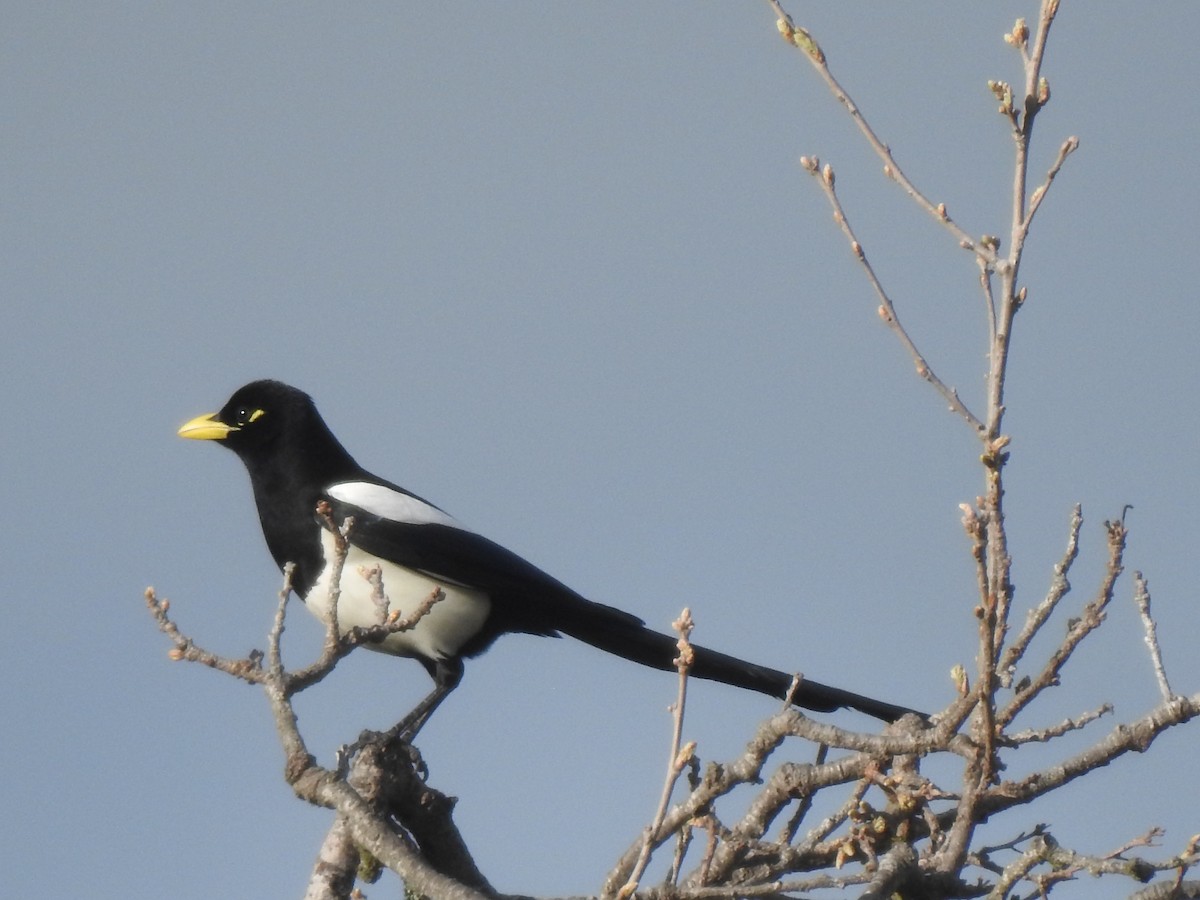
<point x="295" y="463"/>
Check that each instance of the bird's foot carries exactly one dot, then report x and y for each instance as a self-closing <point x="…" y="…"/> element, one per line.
<point x="392" y="742"/>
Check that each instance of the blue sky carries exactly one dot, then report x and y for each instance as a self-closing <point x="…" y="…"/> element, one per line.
<point x="556" y="268"/>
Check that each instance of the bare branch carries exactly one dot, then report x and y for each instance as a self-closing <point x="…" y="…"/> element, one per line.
<point x="887" y="312"/>
<point x="1037" y="617"/>
<point x="374" y="834"/>
<point x="1135" y="736"/>
<point x="768" y="889"/>
<point x="1036" y="96"/>
<point x="1069" y="146"/>
<point x="895" y="867"/>
<point x="1016" y="871"/>
<point x="248" y="669"/>
<point x="1092" y="617"/>
<point x="1043" y="735"/>
<point x="989" y="299"/>
<point x="804" y="806"/>
<point x="834" y="820"/>
<point x="1180" y="890"/>
<point x="679" y="758"/>
<point x="341" y="547"/>
<point x="336" y="868"/>
<point x="373" y="575"/>
<point x="1141" y="596"/>
<point x="1066" y="864"/>
<point x="720" y="780"/>
<point x="275" y="635"/>
<point x="803" y="41"/>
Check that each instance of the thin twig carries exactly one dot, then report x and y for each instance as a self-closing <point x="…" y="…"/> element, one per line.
<point x="1069" y="146"/>
<point x="373" y="575"/>
<point x="983" y="856"/>
<point x="1059" y="587"/>
<point x="748" y="768"/>
<point x="679" y="757"/>
<point x="248" y="669"/>
<point x="767" y="889"/>
<point x="1019" y="868"/>
<point x="1141" y="596"/>
<point x="341" y="548"/>
<point x="1036" y="95"/>
<point x="803" y="41"/>
<point x="989" y="299"/>
<point x="805" y="803"/>
<point x="836" y="819"/>
<point x="999" y="598"/>
<point x="275" y="636"/>
<point x="279" y="691"/>
<point x="1126" y="737"/>
<point x="1043" y="735"/>
<point x="1091" y="618"/>
<point x="887" y="311"/>
<point x="1066" y="864"/>
<point x="984" y="727"/>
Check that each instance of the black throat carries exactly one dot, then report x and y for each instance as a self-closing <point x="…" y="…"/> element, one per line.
<point x="288" y="482"/>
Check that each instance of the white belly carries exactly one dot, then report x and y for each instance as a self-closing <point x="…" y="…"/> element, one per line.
<point x="440" y="633"/>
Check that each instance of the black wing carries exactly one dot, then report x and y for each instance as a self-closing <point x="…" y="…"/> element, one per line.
<point x="524" y="598"/>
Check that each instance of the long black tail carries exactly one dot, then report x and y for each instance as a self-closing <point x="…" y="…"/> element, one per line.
<point x="639" y="644"/>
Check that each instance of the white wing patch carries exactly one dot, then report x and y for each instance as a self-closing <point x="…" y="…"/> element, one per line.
<point x="389" y="504"/>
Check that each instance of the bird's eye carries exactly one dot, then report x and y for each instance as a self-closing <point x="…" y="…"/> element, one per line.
<point x="244" y="415"/>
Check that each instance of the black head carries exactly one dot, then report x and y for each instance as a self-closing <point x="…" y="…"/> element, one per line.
<point x="268" y="423"/>
<point x="291" y="457"/>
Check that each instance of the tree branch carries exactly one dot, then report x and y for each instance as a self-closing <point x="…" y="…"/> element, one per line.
<point x="887" y="311"/>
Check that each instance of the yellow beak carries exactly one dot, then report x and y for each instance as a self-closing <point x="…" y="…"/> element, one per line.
<point x="206" y="428"/>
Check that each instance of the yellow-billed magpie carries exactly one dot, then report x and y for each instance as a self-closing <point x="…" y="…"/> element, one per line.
<point x="295" y="462"/>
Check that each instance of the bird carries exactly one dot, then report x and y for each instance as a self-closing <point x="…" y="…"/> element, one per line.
<point x="483" y="590"/>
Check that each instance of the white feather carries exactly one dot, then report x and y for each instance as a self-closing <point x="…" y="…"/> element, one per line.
<point x="450" y="623"/>
<point x="390" y="504"/>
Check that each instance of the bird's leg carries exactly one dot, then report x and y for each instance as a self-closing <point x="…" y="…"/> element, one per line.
<point x="446" y="676"/>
